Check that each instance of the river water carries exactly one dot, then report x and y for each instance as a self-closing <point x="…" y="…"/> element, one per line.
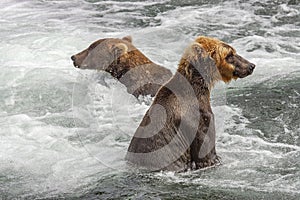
<point x="64" y="132"/>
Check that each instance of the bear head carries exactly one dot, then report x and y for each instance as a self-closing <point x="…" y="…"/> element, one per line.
<point x="229" y="64"/>
<point x="116" y="56"/>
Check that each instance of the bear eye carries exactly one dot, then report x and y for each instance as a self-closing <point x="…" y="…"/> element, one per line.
<point x="229" y="57"/>
<point x="92" y="46"/>
<point x="95" y="44"/>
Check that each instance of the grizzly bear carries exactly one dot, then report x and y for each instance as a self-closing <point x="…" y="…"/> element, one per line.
<point x="177" y="133"/>
<point x="124" y="61"/>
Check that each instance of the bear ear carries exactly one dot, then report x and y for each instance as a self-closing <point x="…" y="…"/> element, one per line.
<point x="127" y="38"/>
<point x="119" y="49"/>
<point x="195" y="50"/>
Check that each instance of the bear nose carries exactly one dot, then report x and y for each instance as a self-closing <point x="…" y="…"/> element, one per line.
<point x="251" y="67"/>
<point x="73" y="58"/>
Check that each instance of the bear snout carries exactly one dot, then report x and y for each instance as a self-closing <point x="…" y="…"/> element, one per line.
<point x="244" y="70"/>
<point x="75" y="63"/>
<point x="251" y="68"/>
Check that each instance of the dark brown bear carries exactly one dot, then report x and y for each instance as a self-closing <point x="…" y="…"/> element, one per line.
<point x="178" y="133"/>
<point x="124" y="61"/>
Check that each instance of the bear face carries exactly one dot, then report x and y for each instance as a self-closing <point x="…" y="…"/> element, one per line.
<point x="104" y="53"/>
<point x="124" y="61"/>
<point x="80" y="61"/>
<point x="229" y="63"/>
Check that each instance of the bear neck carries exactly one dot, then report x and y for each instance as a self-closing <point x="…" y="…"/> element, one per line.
<point x="126" y="62"/>
<point x="117" y="69"/>
<point x="201" y="78"/>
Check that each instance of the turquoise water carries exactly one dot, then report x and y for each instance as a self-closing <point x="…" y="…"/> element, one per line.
<point x="64" y="132"/>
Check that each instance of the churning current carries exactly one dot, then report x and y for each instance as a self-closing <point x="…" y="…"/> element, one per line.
<point x="65" y="132"/>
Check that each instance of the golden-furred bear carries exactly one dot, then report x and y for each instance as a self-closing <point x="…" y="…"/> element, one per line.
<point x="124" y="61"/>
<point x="178" y="133"/>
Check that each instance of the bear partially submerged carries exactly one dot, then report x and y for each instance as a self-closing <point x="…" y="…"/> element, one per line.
<point x="124" y="61"/>
<point x="177" y="132"/>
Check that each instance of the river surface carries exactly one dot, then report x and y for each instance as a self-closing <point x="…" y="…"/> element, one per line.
<point x="64" y="132"/>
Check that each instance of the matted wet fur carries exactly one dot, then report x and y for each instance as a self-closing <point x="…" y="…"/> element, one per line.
<point x="124" y="61"/>
<point x="177" y="132"/>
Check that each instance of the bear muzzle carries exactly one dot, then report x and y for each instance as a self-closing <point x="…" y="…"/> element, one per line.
<point x="251" y="68"/>
<point x="75" y="63"/>
<point x="245" y="71"/>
